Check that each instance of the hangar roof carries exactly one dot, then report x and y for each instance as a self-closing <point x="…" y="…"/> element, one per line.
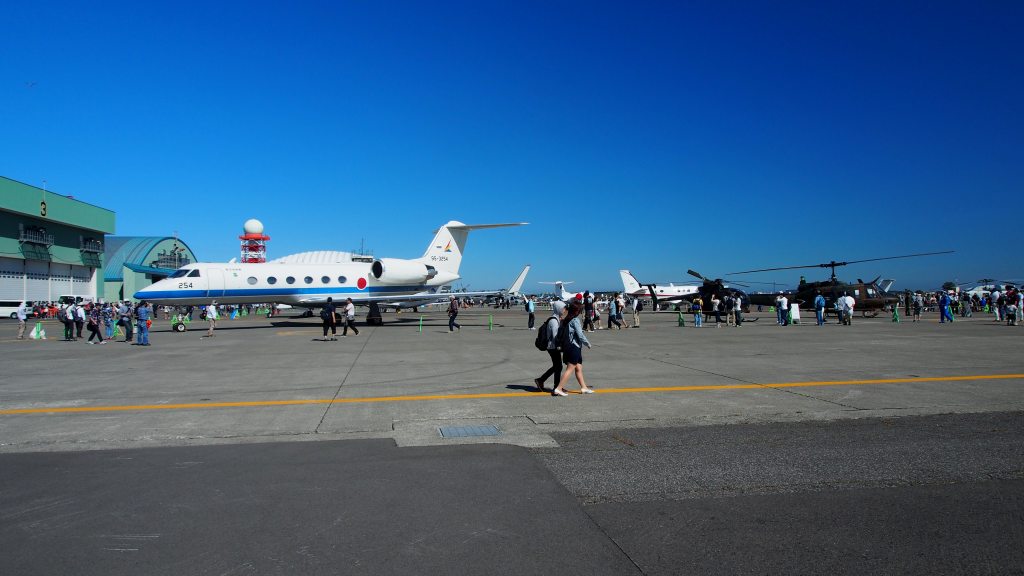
<point x="124" y="251"/>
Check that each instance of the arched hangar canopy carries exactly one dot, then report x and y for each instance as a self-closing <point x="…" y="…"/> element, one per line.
<point x="155" y="253"/>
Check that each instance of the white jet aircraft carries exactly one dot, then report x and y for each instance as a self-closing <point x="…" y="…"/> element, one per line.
<point x="560" y="290"/>
<point x="308" y="285"/>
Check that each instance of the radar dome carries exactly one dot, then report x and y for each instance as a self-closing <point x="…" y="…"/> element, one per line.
<point x="253" y="226"/>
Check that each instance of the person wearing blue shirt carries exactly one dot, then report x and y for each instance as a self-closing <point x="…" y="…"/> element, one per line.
<point x="142" y="327"/>
<point x="819" y="308"/>
<point x="944" y="311"/>
<point x="613" y="312"/>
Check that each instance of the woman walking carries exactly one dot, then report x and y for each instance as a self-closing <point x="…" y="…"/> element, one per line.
<point x="572" y="351"/>
<point x="95" y="318"/>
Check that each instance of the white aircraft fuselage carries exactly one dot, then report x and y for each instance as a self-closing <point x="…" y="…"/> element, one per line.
<point x="412" y="281"/>
<point x="294" y="284"/>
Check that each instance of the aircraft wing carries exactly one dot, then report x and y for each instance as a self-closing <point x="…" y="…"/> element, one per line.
<point x="426" y="296"/>
<point x="314" y="301"/>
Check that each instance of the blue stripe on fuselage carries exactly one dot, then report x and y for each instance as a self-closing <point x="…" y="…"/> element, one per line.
<point x="277" y="292"/>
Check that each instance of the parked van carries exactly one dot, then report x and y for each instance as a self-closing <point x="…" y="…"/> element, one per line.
<point x="9" y="308"/>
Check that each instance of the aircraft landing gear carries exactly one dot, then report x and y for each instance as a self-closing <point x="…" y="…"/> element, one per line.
<point x="870" y="313"/>
<point x="373" y="317"/>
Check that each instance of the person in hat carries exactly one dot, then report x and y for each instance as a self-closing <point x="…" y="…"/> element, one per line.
<point x="551" y="325"/>
<point x="453" y="312"/>
<point x="22" y="319"/>
<point x="350" y="318"/>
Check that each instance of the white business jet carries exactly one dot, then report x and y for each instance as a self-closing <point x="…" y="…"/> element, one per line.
<point x="560" y="289"/>
<point x="308" y="285"/>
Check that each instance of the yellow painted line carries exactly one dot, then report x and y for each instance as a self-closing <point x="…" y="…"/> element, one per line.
<point x="428" y="397"/>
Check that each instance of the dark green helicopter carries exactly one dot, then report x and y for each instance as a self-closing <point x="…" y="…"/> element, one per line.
<point x="869" y="296"/>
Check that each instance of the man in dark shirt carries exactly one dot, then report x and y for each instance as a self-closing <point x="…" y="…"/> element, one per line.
<point x="327" y="314"/>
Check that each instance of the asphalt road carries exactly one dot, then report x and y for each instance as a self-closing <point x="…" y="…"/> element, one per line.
<point x="916" y="495"/>
<point x="874" y="448"/>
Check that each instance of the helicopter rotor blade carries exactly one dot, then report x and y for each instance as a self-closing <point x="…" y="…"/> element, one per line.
<point x="895" y="257"/>
<point x="784" y="268"/>
<point x="836" y="264"/>
<point x="745" y="282"/>
<point x="695" y="274"/>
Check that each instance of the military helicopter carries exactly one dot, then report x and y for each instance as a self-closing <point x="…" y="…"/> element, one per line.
<point x="869" y="296"/>
<point x="709" y="288"/>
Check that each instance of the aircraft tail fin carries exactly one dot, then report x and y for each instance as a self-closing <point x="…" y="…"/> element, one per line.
<point x="629" y="282"/>
<point x="518" y="284"/>
<point x="449" y="243"/>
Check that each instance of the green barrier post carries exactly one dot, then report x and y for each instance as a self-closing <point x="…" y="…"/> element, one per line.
<point x="421" y="324"/>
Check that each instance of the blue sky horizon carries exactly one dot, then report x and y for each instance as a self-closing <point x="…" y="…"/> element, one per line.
<point x="657" y="137"/>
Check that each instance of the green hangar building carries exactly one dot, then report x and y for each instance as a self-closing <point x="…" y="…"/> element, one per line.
<point x="134" y="262"/>
<point x="51" y="246"/>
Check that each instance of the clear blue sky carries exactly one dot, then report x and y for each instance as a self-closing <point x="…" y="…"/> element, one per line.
<point x="654" y="136"/>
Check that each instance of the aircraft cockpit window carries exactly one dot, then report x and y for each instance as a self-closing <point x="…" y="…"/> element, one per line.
<point x="178" y="273"/>
<point x="194" y="274"/>
<point x="326" y="279"/>
<point x="290" y="280"/>
<point x="308" y="279"/>
<point x="341" y="279"/>
<point x="872" y="293"/>
<point x="271" y="280"/>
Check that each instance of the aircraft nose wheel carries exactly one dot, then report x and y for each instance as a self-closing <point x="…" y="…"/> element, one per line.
<point x="870" y="313"/>
<point x="179" y="327"/>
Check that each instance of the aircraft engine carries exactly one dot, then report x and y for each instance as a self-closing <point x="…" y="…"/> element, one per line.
<point x="397" y="271"/>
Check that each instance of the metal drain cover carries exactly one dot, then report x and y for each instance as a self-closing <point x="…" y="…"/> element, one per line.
<point x="469" y="431"/>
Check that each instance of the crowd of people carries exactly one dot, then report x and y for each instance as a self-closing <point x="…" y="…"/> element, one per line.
<point x="1005" y="305"/>
<point x="105" y="322"/>
<point x="102" y="320"/>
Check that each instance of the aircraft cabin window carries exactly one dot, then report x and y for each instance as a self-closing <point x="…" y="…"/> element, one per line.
<point x="251" y="280"/>
<point x="326" y="280"/>
<point x="308" y="279"/>
<point x="271" y="280"/>
<point x="179" y="273"/>
<point x="193" y="274"/>
<point x="341" y="279"/>
<point x="290" y="280"/>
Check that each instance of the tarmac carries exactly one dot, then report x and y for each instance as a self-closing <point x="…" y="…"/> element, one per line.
<point x="894" y="448"/>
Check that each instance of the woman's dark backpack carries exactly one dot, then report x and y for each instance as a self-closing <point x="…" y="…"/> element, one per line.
<point x="541" y="342"/>
<point x="563" y="336"/>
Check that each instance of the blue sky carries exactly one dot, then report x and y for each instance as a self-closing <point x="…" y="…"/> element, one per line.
<point x="654" y="136"/>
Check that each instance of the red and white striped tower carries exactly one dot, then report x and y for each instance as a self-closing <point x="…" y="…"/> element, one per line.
<point x="254" y="242"/>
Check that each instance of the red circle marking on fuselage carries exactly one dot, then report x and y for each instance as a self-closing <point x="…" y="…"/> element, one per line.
<point x="361" y="283"/>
